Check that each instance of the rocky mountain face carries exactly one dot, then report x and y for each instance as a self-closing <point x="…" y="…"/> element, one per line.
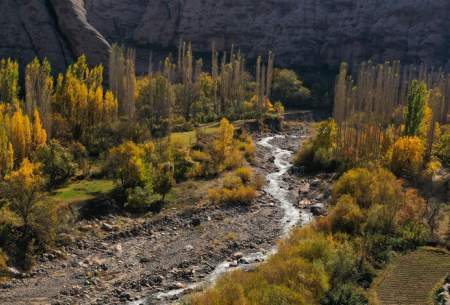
<point x="301" y="32"/>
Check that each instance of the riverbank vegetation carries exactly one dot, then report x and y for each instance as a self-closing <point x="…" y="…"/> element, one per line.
<point x="386" y="141"/>
<point x="75" y="136"/>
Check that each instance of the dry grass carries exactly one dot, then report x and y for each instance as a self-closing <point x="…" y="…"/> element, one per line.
<point x="411" y="278"/>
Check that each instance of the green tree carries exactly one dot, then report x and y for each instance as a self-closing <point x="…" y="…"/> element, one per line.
<point x="415" y="112"/>
<point x="164" y="180"/>
<point x="57" y="161"/>
<point x="155" y="101"/>
<point x="288" y="88"/>
<point x="9" y="81"/>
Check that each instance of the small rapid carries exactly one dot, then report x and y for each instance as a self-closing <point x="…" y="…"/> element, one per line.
<point x="278" y="189"/>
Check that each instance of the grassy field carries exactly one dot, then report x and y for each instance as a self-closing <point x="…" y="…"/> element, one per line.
<point x="410" y="279"/>
<point x="82" y="191"/>
<point x="188" y="137"/>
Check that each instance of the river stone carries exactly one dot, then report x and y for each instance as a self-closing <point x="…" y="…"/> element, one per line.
<point x="107" y="227"/>
<point x="145" y="259"/>
<point x="179" y="285"/>
<point x="318" y="210"/>
<point x="304" y="188"/>
<point x="238" y="255"/>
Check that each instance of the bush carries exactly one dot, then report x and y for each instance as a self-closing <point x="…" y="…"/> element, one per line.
<point x="442" y="150"/>
<point x="139" y="199"/>
<point x="203" y="165"/>
<point x="412" y="209"/>
<point x="44" y="224"/>
<point x="407" y="156"/>
<point x="305" y="156"/>
<point x="346" y="216"/>
<point x="411" y="236"/>
<point x="232" y="182"/>
<point x="233" y="159"/>
<point x="242" y="195"/>
<point x="345" y="295"/>
<point x="245" y="174"/>
<point x="380" y="220"/>
<point x="239" y="195"/>
<point x="318" y="153"/>
<point x="368" y="186"/>
<point x="246" y="146"/>
<point x="182" y="162"/>
<point x="3" y="263"/>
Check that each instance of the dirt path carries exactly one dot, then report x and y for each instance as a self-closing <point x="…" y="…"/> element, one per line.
<point x="154" y="255"/>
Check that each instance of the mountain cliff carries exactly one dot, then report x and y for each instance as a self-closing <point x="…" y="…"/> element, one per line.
<point x="301" y="32"/>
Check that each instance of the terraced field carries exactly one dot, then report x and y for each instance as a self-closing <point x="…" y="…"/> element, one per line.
<point x="410" y="278"/>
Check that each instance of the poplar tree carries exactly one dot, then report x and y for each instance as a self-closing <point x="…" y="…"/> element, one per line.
<point x="9" y="81"/>
<point x="417" y="99"/>
<point x="39" y="91"/>
<point x="6" y="152"/>
<point x="156" y="99"/>
<point x="122" y="79"/>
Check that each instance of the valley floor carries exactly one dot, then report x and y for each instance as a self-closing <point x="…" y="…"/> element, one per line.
<point x="118" y="259"/>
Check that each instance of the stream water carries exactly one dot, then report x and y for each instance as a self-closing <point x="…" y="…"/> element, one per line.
<point x="278" y="189"/>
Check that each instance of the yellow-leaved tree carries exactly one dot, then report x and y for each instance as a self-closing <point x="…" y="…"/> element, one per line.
<point x="20" y="134"/>
<point x="39" y="133"/>
<point x="22" y="190"/>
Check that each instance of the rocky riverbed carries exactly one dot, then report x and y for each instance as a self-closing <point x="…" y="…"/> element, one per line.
<point x="147" y="259"/>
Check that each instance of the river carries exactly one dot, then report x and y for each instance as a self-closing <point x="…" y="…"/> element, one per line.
<point x="278" y="189"/>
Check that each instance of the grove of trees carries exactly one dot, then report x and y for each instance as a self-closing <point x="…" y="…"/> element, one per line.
<point x="58" y="127"/>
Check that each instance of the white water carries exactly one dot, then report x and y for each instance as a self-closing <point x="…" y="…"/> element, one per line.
<point x="292" y="216"/>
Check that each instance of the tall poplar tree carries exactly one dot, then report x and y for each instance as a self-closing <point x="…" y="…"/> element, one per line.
<point x="417" y="99"/>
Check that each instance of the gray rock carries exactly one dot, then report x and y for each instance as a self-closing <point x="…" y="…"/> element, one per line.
<point x="318" y="210"/>
<point x="107" y="227"/>
<point x="14" y="272"/>
<point x="238" y="255"/>
<point x="179" y="285"/>
<point x="304" y="188"/>
<point x="145" y="259"/>
<point x="298" y="31"/>
<point x="233" y="264"/>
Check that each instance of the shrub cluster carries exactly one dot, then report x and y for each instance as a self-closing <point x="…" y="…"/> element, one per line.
<point x="238" y="187"/>
<point x="216" y="153"/>
<point x="333" y="261"/>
